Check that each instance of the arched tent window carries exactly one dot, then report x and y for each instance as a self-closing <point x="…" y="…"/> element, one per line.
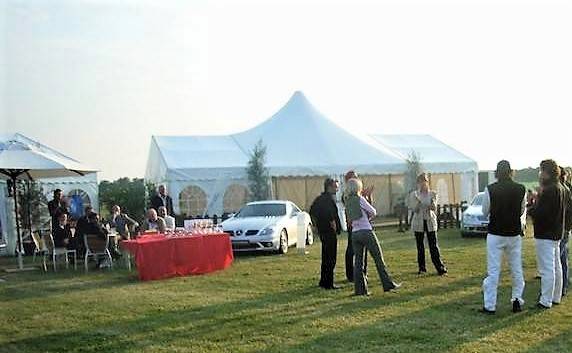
<point x="234" y="198"/>
<point x="78" y="200"/>
<point x="192" y="201"/>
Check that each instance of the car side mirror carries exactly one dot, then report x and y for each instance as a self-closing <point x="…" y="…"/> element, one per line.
<point x="464" y="208"/>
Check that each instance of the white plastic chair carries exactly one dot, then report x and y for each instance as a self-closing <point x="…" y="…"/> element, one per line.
<point x="94" y="247"/>
<point x="38" y="244"/>
<point x="51" y="251"/>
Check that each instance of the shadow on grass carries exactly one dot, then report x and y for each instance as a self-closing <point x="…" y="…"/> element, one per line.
<point x="439" y="328"/>
<point x="233" y="322"/>
<point x="27" y="286"/>
<point x="559" y="343"/>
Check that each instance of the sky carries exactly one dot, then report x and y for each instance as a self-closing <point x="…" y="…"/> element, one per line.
<point x="96" y="79"/>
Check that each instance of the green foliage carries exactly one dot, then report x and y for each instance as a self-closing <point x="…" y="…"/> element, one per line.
<point x="32" y="205"/>
<point x="129" y="194"/>
<point x="150" y="191"/>
<point x="258" y="176"/>
<point x="528" y="175"/>
<point x="414" y="168"/>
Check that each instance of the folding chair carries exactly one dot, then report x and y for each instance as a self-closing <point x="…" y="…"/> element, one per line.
<point x="39" y="246"/>
<point x="94" y="247"/>
<point x="54" y="252"/>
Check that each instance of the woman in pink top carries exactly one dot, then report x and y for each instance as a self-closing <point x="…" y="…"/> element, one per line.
<point x="360" y="212"/>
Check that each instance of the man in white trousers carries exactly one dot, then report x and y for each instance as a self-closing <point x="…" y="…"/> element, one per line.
<point x="504" y="202"/>
<point x="548" y="216"/>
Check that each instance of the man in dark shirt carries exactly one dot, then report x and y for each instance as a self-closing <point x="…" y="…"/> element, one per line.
<point x="62" y="234"/>
<point x="548" y="217"/>
<point x="56" y="207"/>
<point x="504" y="202"/>
<point x="162" y="199"/>
<point x="324" y="213"/>
<point x="564" y="179"/>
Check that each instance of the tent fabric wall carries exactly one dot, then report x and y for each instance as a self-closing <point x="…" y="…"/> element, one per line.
<point x="87" y="183"/>
<point x="235" y="196"/>
<point x="381" y="199"/>
<point x="5" y="228"/>
<point x="448" y="187"/>
<point x="292" y="189"/>
<point x="314" y="187"/>
<point x="397" y="184"/>
<point x="213" y="188"/>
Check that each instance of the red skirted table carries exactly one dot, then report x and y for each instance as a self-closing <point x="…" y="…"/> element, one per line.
<point x="160" y="257"/>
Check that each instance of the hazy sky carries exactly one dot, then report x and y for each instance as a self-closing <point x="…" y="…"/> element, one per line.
<point x="96" y="78"/>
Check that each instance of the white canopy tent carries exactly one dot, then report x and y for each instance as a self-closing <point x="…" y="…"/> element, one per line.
<point x="303" y="147"/>
<point x="22" y="158"/>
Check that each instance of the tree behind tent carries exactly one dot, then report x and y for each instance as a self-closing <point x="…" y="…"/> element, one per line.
<point x="257" y="172"/>
<point x="129" y="194"/>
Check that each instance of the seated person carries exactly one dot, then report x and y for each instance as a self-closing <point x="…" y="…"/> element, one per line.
<point x="62" y="233"/>
<point x="169" y="220"/>
<point x="122" y="223"/>
<point x="95" y="231"/>
<point x="153" y="222"/>
<point x="91" y="226"/>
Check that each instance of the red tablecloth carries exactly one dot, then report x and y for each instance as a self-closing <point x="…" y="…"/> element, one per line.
<point x="159" y="257"/>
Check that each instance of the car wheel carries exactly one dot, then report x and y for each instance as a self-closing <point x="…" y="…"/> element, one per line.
<point x="283" y="246"/>
<point x="309" y="235"/>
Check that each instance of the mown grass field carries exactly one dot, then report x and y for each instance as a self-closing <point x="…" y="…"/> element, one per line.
<point x="272" y="304"/>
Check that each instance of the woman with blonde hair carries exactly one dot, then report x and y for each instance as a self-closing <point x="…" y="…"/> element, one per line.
<point x="360" y="212"/>
<point x="423" y="203"/>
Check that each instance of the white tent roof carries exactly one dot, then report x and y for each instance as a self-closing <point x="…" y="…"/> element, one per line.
<point x="436" y="156"/>
<point x="300" y="142"/>
<point x="18" y="152"/>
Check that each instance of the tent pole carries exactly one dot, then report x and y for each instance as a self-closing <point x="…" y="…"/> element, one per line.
<point x="20" y="245"/>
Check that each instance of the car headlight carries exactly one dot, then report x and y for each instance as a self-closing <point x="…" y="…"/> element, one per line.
<point x="267" y="231"/>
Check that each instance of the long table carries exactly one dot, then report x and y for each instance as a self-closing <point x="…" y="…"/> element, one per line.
<point x="158" y="256"/>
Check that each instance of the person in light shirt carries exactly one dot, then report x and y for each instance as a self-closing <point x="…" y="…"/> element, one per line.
<point x="423" y="203"/>
<point x="153" y="222"/>
<point x="169" y="220"/>
<point x="122" y="223"/>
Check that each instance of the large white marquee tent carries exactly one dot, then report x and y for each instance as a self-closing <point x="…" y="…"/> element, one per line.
<point x="206" y="174"/>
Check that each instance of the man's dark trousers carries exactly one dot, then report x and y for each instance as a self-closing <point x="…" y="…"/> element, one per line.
<point x="329" y="252"/>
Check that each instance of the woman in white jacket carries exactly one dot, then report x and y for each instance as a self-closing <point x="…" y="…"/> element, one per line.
<point x="423" y="203"/>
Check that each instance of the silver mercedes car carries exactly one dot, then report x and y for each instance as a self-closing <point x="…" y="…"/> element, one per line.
<point x="267" y="226"/>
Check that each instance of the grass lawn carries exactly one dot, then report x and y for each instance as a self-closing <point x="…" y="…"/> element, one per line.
<point x="272" y="304"/>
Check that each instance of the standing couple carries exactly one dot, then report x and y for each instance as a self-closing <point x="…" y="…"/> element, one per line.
<point x="505" y="203"/>
<point x="324" y="213"/>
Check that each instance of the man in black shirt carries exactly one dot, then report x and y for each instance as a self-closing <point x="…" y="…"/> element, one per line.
<point x="504" y="202"/>
<point x="56" y="207"/>
<point x="324" y="213"/>
<point x="564" y="179"/>
<point x="162" y="199"/>
<point x="548" y="217"/>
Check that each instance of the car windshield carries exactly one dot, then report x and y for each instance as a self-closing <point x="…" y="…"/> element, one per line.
<point x="262" y="210"/>
<point x="478" y="200"/>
